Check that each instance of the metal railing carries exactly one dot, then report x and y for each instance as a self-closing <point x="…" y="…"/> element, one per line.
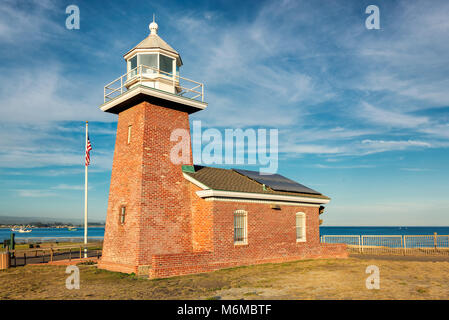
<point x="21" y="257"/>
<point x="181" y="86"/>
<point x="426" y="244"/>
<point x="393" y="244"/>
<point x="353" y="242"/>
<point x="56" y="239"/>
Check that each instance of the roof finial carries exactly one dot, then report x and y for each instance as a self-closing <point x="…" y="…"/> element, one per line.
<point x="153" y="26"/>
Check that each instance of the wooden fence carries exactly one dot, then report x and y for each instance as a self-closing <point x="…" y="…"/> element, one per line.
<point x="21" y="257"/>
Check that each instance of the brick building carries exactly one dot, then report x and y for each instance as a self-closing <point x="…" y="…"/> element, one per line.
<point x="166" y="218"/>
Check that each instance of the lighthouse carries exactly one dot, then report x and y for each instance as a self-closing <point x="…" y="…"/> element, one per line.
<point x="149" y="202"/>
<point x="168" y="218"/>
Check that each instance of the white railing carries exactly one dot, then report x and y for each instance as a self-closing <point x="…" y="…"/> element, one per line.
<point x="426" y="244"/>
<point x="353" y="242"/>
<point x="374" y="244"/>
<point x="392" y="244"/>
<point x="181" y="86"/>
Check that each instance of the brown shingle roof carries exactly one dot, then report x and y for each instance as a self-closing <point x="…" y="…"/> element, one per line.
<point x="230" y="180"/>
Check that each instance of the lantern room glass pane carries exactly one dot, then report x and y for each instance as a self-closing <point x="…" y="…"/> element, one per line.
<point x="166" y="63"/>
<point x="148" y="60"/>
<point x="132" y="63"/>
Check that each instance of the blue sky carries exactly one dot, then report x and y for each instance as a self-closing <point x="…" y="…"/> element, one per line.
<point x="363" y="115"/>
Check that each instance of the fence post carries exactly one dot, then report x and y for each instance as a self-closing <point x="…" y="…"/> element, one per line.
<point x="435" y="242"/>
<point x="362" y="242"/>
<point x="405" y="244"/>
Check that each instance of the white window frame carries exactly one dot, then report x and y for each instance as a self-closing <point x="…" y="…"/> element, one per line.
<point x="245" y="227"/>
<point x="302" y="226"/>
<point x="130" y="127"/>
<point x="122" y="215"/>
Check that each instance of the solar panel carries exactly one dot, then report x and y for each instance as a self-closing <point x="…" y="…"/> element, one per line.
<point x="276" y="182"/>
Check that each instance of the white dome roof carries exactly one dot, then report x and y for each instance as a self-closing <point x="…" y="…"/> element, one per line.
<point x="153" y="27"/>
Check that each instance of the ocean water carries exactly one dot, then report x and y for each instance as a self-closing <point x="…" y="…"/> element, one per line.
<point x="324" y="230"/>
<point x="50" y="234"/>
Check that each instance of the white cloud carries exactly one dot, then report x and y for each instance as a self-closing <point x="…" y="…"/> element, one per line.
<point x="390" y="118"/>
<point x="416" y="169"/>
<point x="440" y="131"/>
<point x="361" y="166"/>
<point x="44" y="144"/>
<point x="33" y="25"/>
<point x="43" y="94"/>
<point x="382" y="145"/>
<point x="312" y="149"/>
<point x="64" y="186"/>
<point x="356" y="148"/>
<point x="34" y="193"/>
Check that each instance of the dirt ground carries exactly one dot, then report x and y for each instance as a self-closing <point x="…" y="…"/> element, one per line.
<point x="307" y="279"/>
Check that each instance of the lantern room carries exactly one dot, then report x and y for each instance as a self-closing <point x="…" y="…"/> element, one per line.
<point x="152" y="72"/>
<point x="153" y="63"/>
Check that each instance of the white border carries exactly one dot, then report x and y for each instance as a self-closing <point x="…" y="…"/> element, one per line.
<point x="259" y="196"/>
<point x="296" y="204"/>
<point x="195" y="182"/>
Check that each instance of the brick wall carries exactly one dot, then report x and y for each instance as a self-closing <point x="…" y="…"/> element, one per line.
<point x="271" y="238"/>
<point x="169" y="265"/>
<point x="150" y="186"/>
<point x="121" y="241"/>
<point x="202" y="221"/>
<point x="271" y="233"/>
<point x="169" y="228"/>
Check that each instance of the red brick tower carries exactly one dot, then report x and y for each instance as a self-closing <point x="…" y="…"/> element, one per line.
<point x="149" y="200"/>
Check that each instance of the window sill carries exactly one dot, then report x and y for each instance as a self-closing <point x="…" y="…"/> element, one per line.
<point x="300" y="240"/>
<point x="240" y="244"/>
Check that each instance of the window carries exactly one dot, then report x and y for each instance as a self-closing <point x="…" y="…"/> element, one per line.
<point x="166" y="63"/>
<point x="300" y="227"/>
<point x="122" y="214"/>
<point x="129" y="133"/>
<point x="132" y="63"/>
<point x="240" y="227"/>
<point x="148" y="60"/>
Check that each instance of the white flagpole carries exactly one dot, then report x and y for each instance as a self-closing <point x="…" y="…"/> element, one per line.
<point x="85" y="195"/>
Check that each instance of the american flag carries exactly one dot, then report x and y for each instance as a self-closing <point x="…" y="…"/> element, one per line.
<point x="88" y="148"/>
